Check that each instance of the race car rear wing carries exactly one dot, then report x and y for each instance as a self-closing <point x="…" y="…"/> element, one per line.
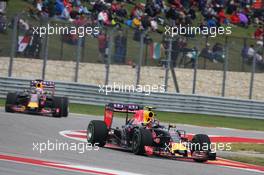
<point x="44" y="84"/>
<point x="125" y="108"/>
<point x="121" y="108"/>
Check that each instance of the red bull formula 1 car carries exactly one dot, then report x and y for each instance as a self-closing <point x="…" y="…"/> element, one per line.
<point x="143" y="134"/>
<point x="39" y="99"/>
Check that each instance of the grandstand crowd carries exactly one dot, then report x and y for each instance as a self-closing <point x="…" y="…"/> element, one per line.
<point x="154" y="12"/>
<point x="152" y="15"/>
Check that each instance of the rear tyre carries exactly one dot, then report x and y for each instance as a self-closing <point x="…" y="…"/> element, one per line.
<point x="201" y="142"/>
<point x="142" y="137"/>
<point x="97" y="132"/>
<point x="11" y="100"/>
<point x="58" y="105"/>
<point x="65" y="106"/>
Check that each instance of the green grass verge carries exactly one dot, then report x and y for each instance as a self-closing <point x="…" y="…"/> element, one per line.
<point x="2" y="102"/>
<point x="247" y="147"/>
<point x="86" y="109"/>
<point x="249" y="160"/>
<point x="172" y="117"/>
<point x="194" y="119"/>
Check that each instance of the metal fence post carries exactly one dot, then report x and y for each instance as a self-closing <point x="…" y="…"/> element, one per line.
<point x="109" y="56"/>
<point x="45" y="54"/>
<point x="195" y="70"/>
<point x="243" y="59"/>
<point x="253" y="70"/>
<point x="83" y="49"/>
<point x="225" y="67"/>
<point x="61" y="48"/>
<point x="13" y="46"/>
<point x="78" y="58"/>
<point x="205" y="59"/>
<point x="141" y="52"/>
<point x="168" y="65"/>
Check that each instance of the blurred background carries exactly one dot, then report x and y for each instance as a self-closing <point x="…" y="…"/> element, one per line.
<point x="132" y="48"/>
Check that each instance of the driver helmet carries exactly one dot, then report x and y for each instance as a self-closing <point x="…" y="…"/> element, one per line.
<point x="148" y="116"/>
<point x="39" y="88"/>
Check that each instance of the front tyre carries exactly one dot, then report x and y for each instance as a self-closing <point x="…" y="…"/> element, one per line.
<point x="97" y="132"/>
<point x="65" y="106"/>
<point x="11" y="100"/>
<point x="58" y="106"/>
<point x="142" y="137"/>
<point x="201" y="144"/>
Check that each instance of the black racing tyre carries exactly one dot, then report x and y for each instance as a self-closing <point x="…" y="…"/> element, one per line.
<point x="65" y="106"/>
<point x="58" y="104"/>
<point x="201" y="142"/>
<point x="142" y="137"/>
<point x="97" y="132"/>
<point x="11" y="100"/>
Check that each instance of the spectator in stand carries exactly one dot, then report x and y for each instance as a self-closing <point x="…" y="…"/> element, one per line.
<point x="218" y="5"/>
<point x="243" y="19"/>
<point x="66" y="13"/>
<point x="231" y="7"/>
<point x="259" y="33"/>
<point x="104" y="17"/>
<point x="145" y="22"/>
<point x="115" y="6"/>
<point x="3" y="4"/>
<point x="137" y="11"/>
<point x="209" y="11"/>
<point x="119" y="9"/>
<point x="159" y="5"/>
<point x="218" y="52"/>
<point x="211" y="22"/>
<point x="39" y="5"/>
<point x="259" y="59"/>
<point x="176" y="3"/>
<point x="59" y="7"/>
<point x="222" y="17"/>
<point x="122" y="12"/>
<point x="250" y="52"/>
<point x="3" y="19"/>
<point x="186" y="4"/>
<point x="154" y="24"/>
<point x="150" y="9"/>
<point x="234" y="18"/>
<point x="98" y="6"/>
<point x="102" y="45"/>
<point x="120" y="47"/>
<point x="50" y="6"/>
<point x="192" y="13"/>
<point x="202" y="4"/>
<point x="206" y="53"/>
<point x="172" y="14"/>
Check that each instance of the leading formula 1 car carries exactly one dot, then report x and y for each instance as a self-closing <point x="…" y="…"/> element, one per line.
<point x="39" y="99"/>
<point x="143" y="134"/>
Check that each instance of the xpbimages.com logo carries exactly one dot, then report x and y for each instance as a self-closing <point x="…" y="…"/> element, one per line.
<point x="212" y="147"/>
<point x="65" y="30"/>
<point x="122" y="88"/>
<point x="191" y="30"/>
<point x="80" y="147"/>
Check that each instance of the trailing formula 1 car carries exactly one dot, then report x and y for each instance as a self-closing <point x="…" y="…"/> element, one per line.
<point x="39" y="99"/>
<point x="143" y="134"/>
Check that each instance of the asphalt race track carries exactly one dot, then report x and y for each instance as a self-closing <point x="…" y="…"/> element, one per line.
<point x="18" y="132"/>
